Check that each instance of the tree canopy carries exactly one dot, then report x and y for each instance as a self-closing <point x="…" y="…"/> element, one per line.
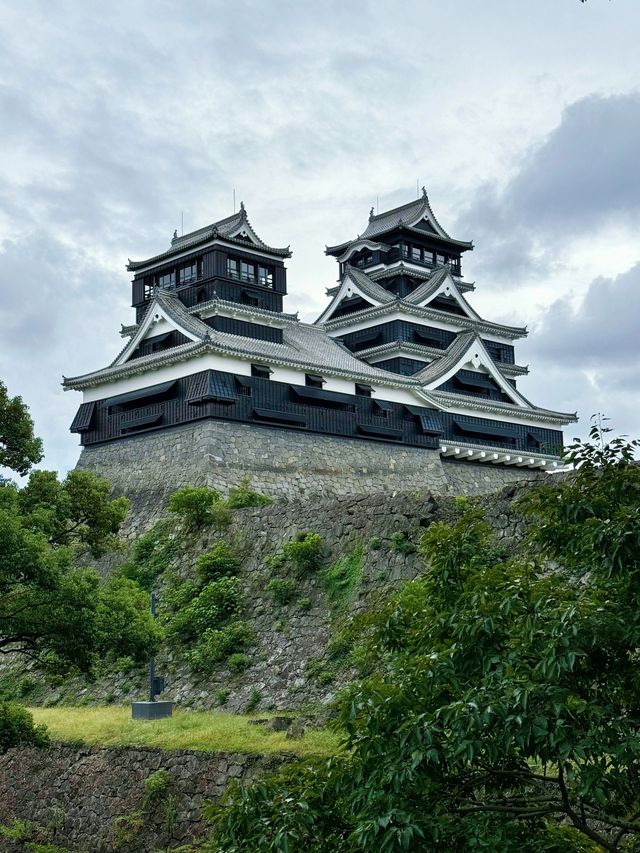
<point x="498" y="706"/>
<point x="53" y="609"/>
<point x="19" y="448"/>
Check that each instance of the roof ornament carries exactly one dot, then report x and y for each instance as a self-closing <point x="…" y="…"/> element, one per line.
<point x="424" y="192"/>
<point x="371" y="214"/>
<point x="175" y="234"/>
<point x="214" y="231"/>
<point x="243" y="212"/>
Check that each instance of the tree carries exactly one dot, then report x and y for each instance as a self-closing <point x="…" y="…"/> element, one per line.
<point x="499" y="705"/>
<point x="53" y="610"/>
<point x="19" y="448"/>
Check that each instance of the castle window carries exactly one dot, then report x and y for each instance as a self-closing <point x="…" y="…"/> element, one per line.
<point x="363" y="390"/>
<point x="415" y="254"/>
<point x="233" y="268"/>
<point x="312" y="380"/>
<point x="167" y="280"/>
<point x="188" y="273"/>
<point x="265" y="276"/>
<point x="247" y="271"/>
<point x="441" y="259"/>
<point x="261" y="371"/>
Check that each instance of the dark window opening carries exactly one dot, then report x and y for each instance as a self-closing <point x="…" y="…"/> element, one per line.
<point x="312" y="380"/>
<point x="363" y="390"/>
<point x="261" y="371"/>
<point x="166" y="280"/>
<point x="188" y="273"/>
<point x="249" y="299"/>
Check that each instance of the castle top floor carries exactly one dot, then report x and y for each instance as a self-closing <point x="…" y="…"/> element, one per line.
<point x="409" y="234"/>
<point x="226" y="259"/>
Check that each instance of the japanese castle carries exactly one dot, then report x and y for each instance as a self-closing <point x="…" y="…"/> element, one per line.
<point x="398" y="356"/>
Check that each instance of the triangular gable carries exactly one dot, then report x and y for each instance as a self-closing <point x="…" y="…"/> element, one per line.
<point x="427" y="293"/>
<point x="356" y="283"/>
<point x="169" y="309"/>
<point x="475" y="355"/>
<point x="427" y="215"/>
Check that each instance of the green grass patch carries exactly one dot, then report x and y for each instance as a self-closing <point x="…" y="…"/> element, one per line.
<point x="209" y="731"/>
<point x="342" y="579"/>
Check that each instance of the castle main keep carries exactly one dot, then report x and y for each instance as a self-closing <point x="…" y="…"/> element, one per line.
<point x="399" y="384"/>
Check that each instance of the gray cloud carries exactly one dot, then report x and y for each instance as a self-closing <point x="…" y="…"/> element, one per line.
<point x="583" y="176"/>
<point x="115" y="117"/>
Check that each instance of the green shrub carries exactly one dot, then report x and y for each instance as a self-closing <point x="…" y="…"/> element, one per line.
<point x="215" y="644"/>
<point x="156" y="787"/>
<point x="244" y="496"/>
<point x="216" y="602"/>
<point x="195" y="505"/>
<point x="18" y="830"/>
<point x="343" y="578"/>
<point x="151" y="554"/>
<point x="375" y="543"/>
<point x="253" y="701"/>
<point x="282" y="590"/>
<point x="222" y="696"/>
<point x="304" y="552"/>
<point x="238" y="662"/>
<point x="401" y="543"/>
<point x="304" y="603"/>
<point x="17" y="728"/>
<point x="221" y="561"/>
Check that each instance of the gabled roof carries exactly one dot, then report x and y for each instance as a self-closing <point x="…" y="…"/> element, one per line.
<point x="232" y="229"/>
<point x="356" y="283"/>
<point x="441" y="283"/>
<point x="163" y="306"/>
<point x="407" y="215"/>
<point x="357" y="245"/>
<point x="468" y="347"/>
<point x="457" y="321"/>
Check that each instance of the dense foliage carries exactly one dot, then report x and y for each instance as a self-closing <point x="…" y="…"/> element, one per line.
<point x="18" y="729"/>
<point x="499" y="703"/>
<point x="201" y="617"/>
<point x="52" y="609"/>
<point x="19" y="448"/>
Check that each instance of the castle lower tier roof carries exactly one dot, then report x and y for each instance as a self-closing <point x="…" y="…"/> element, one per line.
<point x="378" y="312"/>
<point x="225" y="229"/>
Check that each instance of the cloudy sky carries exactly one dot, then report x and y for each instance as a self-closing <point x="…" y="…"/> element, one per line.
<point x="522" y="117"/>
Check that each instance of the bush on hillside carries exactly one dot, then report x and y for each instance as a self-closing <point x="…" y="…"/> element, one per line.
<point x="221" y="561"/>
<point x="243" y="496"/>
<point x="18" y="729"/>
<point x="198" y="506"/>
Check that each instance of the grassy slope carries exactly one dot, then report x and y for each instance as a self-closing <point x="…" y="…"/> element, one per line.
<point x="211" y="731"/>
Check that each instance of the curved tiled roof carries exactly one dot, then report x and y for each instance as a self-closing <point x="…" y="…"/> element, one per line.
<point x="405" y="216"/>
<point x="368" y="286"/>
<point x="224" y="229"/>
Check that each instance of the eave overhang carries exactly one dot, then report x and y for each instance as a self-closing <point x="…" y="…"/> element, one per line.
<point x="455" y="320"/>
<point x="224" y="230"/>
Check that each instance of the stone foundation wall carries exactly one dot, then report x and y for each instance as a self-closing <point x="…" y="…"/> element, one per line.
<point x="92" y="798"/>
<point x="287" y="464"/>
<point x="290" y="636"/>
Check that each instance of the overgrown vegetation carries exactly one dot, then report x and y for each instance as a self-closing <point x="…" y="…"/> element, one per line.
<point x="243" y="496"/>
<point x="304" y="553"/>
<point x="501" y="706"/>
<point x="18" y="729"/>
<point x="53" y="611"/>
<point x="210" y="731"/>
<point x="342" y="579"/>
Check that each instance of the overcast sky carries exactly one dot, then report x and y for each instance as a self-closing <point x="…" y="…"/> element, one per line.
<point x="522" y="117"/>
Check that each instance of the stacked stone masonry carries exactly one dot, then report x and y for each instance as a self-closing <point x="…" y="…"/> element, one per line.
<point x="289" y="636"/>
<point x="92" y="799"/>
<point x="287" y="464"/>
